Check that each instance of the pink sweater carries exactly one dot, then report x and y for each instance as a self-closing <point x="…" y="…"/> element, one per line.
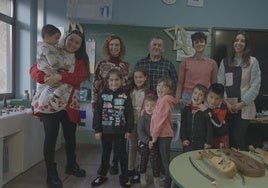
<point x="193" y="71"/>
<point x="161" y="123"/>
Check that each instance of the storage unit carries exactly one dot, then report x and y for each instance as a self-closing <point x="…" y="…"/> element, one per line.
<point x="21" y="144"/>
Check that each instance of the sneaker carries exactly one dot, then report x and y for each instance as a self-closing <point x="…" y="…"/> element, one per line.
<point x="114" y="169"/>
<point x="98" y="181"/>
<point x="124" y="182"/>
<point x="135" y="179"/>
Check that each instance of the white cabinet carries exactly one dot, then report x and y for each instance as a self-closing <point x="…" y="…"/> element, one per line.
<point x="21" y="144"/>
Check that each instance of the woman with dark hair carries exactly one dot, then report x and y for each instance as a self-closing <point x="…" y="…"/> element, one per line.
<point x="197" y="69"/>
<point x="241" y="76"/>
<point x="69" y="116"/>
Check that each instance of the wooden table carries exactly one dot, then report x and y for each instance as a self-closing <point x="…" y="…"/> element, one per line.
<point x="185" y="176"/>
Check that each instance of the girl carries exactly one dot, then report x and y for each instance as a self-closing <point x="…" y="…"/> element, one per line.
<point x="113" y="52"/>
<point x="161" y="124"/>
<point x="137" y="94"/>
<point x="196" y="129"/>
<point x="144" y="138"/>
<point x="113" y="123"/>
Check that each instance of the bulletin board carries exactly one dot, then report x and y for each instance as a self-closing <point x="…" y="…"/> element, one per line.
<point x="136" y="39"/>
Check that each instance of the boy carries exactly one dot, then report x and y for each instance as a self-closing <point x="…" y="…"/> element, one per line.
<point x="196" y="129"/>
<point x="144" y="137"/>
<point x="51" y="60"/>
<point x="218" y="110"/>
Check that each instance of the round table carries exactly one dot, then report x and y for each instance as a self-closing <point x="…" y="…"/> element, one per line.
<point x="185" y="175"/>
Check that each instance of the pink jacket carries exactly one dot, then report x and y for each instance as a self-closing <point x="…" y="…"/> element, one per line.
<point x="161" y="123"/>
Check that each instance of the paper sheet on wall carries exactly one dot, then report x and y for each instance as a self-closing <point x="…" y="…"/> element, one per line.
<point x="90" y="48"/>
<point x="181" y="54"/>
<point x="90" y="9"/>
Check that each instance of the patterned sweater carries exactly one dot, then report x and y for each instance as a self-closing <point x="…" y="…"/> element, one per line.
<point x="101" y="71"/>
<point x="113" y="112"/>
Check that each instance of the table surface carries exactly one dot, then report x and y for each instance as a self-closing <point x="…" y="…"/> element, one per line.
<point x="183" y="174"/>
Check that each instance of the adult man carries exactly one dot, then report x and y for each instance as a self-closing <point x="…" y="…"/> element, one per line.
<point x="157" y="66"/>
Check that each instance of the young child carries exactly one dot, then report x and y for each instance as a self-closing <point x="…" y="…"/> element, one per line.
<point x="144" y="137"/>
<point x="113" y="122"/>
<point x="137" y="94"/>
<point x="218" y="111"/>
<point x="196" y="129"/>
<point x="51" y="60"/>
<point x="161" y="125"/>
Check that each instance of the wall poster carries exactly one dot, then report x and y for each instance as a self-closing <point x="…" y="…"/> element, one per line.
<point x="90" y="9"/>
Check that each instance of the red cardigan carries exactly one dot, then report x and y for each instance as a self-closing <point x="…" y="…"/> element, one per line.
<point x="73" y="78"/>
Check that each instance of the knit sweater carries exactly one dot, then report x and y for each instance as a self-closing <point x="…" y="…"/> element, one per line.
<point x="75" y="78"/>
<point x="100" y="74"/>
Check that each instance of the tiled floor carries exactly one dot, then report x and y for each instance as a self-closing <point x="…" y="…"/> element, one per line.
<point x="88" y="158"/>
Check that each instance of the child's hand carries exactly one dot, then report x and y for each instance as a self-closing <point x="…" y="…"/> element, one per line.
<point x="186" y="143"/>
<point x="127" y="135"/>
<point x="207" y="146"/>
<point x="151" y="144"/>
<point x="98" y="136"/>
<point x="202" y="107"/>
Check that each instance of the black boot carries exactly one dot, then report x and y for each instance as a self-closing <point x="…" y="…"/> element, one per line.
<point x="75" y="170"/>
<point x="53" y="180"/>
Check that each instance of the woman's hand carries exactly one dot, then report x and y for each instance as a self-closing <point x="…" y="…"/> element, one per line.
<point x="52" y="79"/>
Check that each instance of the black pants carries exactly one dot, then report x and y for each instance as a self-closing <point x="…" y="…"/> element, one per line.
<point x="238" y="131"/>
<point x="119" y="142"/>
<point x="51" y="125"/>
<point x="152" y="155"/>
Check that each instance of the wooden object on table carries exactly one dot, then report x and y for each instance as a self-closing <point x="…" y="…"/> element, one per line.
<point x="247" y="165"/>
<point x="260" y="151"/>
<point x="224" y="166"/>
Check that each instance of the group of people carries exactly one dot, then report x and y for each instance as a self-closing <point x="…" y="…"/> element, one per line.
<point x="132" y="110"/>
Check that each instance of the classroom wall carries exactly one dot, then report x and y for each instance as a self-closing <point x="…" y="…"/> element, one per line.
<point x="215" y="13"/>
<point x="152" y="13"/>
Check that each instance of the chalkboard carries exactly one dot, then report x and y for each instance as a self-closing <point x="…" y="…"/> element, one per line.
<point x="258" y="40"/>
<point x="136" y="39"/>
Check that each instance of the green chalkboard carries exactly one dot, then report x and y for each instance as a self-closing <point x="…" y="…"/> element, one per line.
<point x="136" y="39"/>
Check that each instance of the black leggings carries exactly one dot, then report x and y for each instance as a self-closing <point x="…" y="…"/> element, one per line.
<point x="118" y="143"/>
<point x="51" y="126"/>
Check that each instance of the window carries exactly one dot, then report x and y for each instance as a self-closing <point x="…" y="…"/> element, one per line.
<point x="7" y="41"/>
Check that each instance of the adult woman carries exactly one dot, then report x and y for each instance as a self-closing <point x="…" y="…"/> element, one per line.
<point x="241" y="76"/>
<point x="113" y="51"/>
<point x="197" y="69"/>
<point x="75" y="51"/>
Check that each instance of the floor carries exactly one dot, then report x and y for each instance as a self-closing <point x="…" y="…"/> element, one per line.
<point x="88" y="158"/>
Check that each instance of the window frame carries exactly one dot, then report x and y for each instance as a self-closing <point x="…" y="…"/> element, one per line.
<point x="11" y="20"/>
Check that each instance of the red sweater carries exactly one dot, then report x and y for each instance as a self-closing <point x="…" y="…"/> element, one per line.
<point x="73" y="78"/>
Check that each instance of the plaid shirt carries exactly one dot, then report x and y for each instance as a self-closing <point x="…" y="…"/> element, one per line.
<point x="157" y="70"/>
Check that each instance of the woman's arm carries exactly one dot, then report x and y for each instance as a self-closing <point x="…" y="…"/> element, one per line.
<point x="37" y="75"/>
<point x="79" y="75"/>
